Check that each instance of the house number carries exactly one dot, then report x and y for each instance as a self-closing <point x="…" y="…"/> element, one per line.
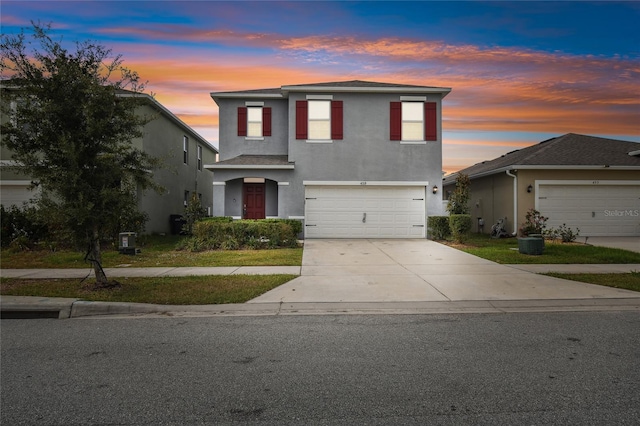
<point x="596" y="182"/>
<point x="363" y="183"/>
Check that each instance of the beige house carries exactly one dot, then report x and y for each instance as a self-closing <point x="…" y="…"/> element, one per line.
<point x="182" y="149"/>
<point x="585" y="182"/>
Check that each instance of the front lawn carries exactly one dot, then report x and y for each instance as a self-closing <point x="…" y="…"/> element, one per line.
<point x="629" y="281"/>
<point x="505" y="251"/>
<point x="200" y="290"/>
<point x="156" y="251"/>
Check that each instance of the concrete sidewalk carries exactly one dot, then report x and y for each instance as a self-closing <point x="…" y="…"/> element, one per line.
<point x="150" y="272"/>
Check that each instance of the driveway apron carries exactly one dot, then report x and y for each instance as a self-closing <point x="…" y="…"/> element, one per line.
<point x="417" y="271"/>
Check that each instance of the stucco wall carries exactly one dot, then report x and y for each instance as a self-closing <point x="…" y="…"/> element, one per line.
<point x="231" y="145"/>
<point x="164" y="139"/>
<point x="494" y="193"/>
<point x="366" y="152"/>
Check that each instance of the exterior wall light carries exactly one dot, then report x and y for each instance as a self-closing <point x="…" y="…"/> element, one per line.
<point x="529" y="188"/>
<point x="435" y="189"/>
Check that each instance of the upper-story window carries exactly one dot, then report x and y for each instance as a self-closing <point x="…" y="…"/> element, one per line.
<point x="254" y="121"/>
<point x="185" y="150"/>
<point x="319" y="120"/>
<point x="199" y="157"/>
<point x="319" y="127"/>
<point x="413" y="121"/>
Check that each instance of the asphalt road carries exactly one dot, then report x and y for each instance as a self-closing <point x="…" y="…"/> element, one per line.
<point x="553" y="368"/>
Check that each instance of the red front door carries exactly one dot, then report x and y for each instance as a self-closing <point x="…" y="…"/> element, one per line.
<point x="253" y="196"/>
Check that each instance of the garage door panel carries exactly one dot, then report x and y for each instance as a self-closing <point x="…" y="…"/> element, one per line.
<point x="388" y="212"/>
<point x="597" y="210"/>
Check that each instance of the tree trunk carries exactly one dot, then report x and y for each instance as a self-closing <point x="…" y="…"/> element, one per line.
<point x="96" y="261"/>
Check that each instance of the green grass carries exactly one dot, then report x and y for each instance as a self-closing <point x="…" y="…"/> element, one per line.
<point x="155" y="251"/>
<point x="505" y="251"/>
<point x="201" y="290"/>
<point x="629" y="281"/>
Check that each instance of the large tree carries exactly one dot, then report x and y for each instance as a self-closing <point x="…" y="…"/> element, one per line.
<point x="75" y="115"/>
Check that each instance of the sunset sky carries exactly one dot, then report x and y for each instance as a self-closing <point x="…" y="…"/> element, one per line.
<point x="520" y="72"/>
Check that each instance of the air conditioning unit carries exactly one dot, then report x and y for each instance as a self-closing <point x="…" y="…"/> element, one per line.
<point x="127" y="243"/>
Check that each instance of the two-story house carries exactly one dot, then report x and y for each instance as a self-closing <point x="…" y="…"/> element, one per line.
<point x="183" y="151"/>
<point x="350" y="159"/>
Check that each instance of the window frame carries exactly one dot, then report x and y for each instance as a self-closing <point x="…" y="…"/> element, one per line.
<point x="404" y="120"/>
<point x="185" y="150"/>
<point x="199" y="157"/>
<point x="257" y="124"/>
<point x="326" y="108"/>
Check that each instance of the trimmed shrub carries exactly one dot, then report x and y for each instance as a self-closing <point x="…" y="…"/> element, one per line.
<point x="225" y="219"/>
<point x="438" y="227"/>
<point x="460" y="226"/>
<point x="250" y="234"/>
<point x="563" y="232"/>
<point x="534" y="223"/>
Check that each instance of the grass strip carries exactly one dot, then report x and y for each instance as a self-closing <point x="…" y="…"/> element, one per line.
<point x="153" y="258"/>
<point x="194" y="290"/>
<point x="505" y="251"/>
<point x="630" y="281"/>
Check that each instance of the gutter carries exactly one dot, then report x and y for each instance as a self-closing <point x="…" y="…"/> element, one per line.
<point x="515" y="200"/>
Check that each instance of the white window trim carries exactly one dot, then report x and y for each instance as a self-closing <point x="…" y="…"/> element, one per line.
<point x="185" y="150"/>
<point x="261" y="137"/>
<point x="413" y="98"/>
<point x="402" y="121"/>
<point x="326" y="98"/>
<point x="319" y="97"/>
<point x="199" y="161"/>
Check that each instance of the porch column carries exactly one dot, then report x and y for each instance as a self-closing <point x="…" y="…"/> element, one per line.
<point x="283" y="211"/>
<point x="218" y="198"/>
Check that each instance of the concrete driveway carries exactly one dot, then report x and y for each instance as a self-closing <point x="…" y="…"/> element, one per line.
<point x="625" y="243"/>
<point x="417" y="271"/>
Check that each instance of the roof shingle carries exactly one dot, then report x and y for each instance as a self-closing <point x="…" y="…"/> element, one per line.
<point x="567" y="150"/>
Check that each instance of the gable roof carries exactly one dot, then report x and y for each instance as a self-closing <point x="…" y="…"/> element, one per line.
<point x="570" y="151"/>
<point x="337" y="86"/>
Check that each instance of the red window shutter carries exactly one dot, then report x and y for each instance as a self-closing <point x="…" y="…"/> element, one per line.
<point x="396" y="121"/>
<point x="430" y="122"/>
<point x="301" y="119"/>
<point x="242" y="121"/>
<point x="336" y="120"/>
<point x="266" y="121"/>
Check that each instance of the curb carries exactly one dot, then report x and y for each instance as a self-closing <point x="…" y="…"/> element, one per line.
<point x="35" y="307"/>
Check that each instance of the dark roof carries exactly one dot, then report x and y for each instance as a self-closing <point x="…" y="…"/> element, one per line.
<point x="567" y="150"/>
<point x="256" y="160"/>
<point x="352" y="84"/>
<point x="361" y="83"/>
<point x="272" y="91"/>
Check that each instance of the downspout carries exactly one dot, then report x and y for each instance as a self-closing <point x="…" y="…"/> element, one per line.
<point x="515" y="201"/>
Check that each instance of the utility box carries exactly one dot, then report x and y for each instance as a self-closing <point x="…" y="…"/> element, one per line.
<point x="531" y="245"/>
<point x="176" y="222"/>
<point x="127" y="243"/>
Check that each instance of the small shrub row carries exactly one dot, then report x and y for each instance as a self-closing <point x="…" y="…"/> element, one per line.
<point x="563" y="232"/>
<point x="456" y="225"/>
<point x="243" y="234"/>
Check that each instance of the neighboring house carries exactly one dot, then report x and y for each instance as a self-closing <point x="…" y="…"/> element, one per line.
<point x="582" y="181"/>
<point x="350" y="159"/>
<point x="183" y="151"/>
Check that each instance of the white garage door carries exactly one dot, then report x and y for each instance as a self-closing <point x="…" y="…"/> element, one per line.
<point x="364" y="212"/>
<point x="597" y="209"/>
<point x="15" y="193"/>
